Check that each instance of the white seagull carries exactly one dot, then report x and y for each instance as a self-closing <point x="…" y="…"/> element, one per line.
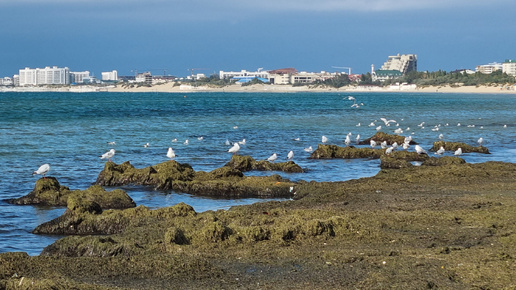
<point x="234" y="149"/>
<point x="347" y="141"/>
<point x="273" y="157"/>
<point x="290" y="155"/>
<point x="171" y="154"/>
<point x="440" y="151"/>
<point x="480" y="141"/>
<point x="186" y="142"/>
<point x="309" y="149"/>
<point x="384" y="144"/>
<point x="108" y="155"/>
<point x="419" y="149"/>
<point x="458" y="152"/>
<point x="373" y="144"/>
<point x="389" y="150"/>
<point x="324" y="139"/>
<point x="358" y="139"/>
<point x="43" y="169"/>
<point x="146" y="145"/>
<point x="242" y="142"/>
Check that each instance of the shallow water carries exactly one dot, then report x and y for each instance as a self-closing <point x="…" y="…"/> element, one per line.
<point x="71" y="130"/>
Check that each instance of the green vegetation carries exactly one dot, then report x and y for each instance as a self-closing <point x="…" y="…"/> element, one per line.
<point x="441" y="77"/>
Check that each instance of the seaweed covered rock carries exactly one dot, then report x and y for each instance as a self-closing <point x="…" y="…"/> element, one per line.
<point x="161" y="175"/>
<point x="351" y="152"/>
<point x="247" y="163"/>
<point x="441" y="161"/>
<point x="48" y="191"/>
<point x="400" y="159"/>
<point x="452" y="146"/>
<point x="225" y="181"/>
<point x="390" y="139"/>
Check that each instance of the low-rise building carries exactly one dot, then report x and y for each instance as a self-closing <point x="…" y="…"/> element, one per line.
<point x="243" y="73"/>
<point x="489" y="68"/>
<point x="6" y="81"/>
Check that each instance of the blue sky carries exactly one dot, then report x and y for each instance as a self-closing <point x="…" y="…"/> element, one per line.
<point x="102" y="35"/>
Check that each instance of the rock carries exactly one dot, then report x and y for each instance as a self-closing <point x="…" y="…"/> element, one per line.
<point x="351" y="152"/>
<point x="445" y="160"/>
<point x="48" y="191"/>
<point x="225" y="181"/>
<point x="247" y="163"/>
<point x="452" y="146"/>
<point x="379" y="137"/>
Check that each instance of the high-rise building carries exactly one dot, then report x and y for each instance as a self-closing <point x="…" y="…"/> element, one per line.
<point x="44" y="76"/>
<point x="110" y="76"/>
<point x="404" y="63"/>
<point x="509" y="67"/>
<point x="79" y="77"/>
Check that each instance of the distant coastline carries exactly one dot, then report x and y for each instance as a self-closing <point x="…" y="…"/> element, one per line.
<point x="172" y="88"/>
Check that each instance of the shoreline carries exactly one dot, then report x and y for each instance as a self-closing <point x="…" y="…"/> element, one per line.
<point x="261" y="88"/>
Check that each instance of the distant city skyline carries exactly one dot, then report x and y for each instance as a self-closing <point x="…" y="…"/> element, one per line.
<point x="177" y="36"/>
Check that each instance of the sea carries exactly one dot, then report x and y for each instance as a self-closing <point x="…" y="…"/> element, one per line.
<point x="70" y="131"/>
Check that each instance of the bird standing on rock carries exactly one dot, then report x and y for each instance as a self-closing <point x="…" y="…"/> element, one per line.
<point x="43" y="169"/>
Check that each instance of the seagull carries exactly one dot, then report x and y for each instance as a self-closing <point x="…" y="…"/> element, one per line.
<point x="406" y="146"/>
<point x="440" y="151"/>
<point x="324" y="139"/>
<point x="373" y="144"/>
<point x="398" y="131"/>
<point x="480" y="141"/>
<point x="200" y="138"/>
<point x="383" y="144"/>
<point x="234" y="149"/>
<point x="351" y="98"/>
<point x="387" y="122"/>
<point x="389" y="150"/>
<point x="227" y="142"/>
<point x="378" y="128"/>
<point x="108" y="155"/>
<point x="242" y="142"/>
<point x="43" y="169"/>
<point x="174" y="140"/>
<point x="146" y="145"/>
<point x="458" y="152"/>
<point x="309" y="149"/>
<point x="358" y="139"/>
<point x="290" y="155"/>
<point x="297" y="139"/>
<point x="419" y="149"/>
<point x="273" y="157"/>
<point x="358" y="125"/>
<point x="441" y="136"/>
<point x="395" y="145"/>
<point x="186" y="142"/>
<point x="235" y="127"/>
<point x="347" y="141"/>
<point x="111" y="143"/>
<point x="171" y="154"/>
<point x="372" y="124"/>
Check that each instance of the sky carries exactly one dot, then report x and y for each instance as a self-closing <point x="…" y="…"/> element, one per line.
<point x="176" y="36"/>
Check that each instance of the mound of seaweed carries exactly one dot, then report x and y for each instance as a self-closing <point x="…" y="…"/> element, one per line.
<point x="389" y="138"/>
<point x="171" y="175"/>
<point x="351" y="152"/>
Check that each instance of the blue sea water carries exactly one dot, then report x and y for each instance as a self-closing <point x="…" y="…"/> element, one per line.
<point x="71" y="130"/>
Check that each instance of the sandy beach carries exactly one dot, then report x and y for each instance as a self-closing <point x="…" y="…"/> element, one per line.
<point x="170" y="88"/>
<point x="186" y="88"/>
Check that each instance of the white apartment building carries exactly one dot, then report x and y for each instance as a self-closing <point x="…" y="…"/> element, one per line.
<point x="243" y="73"/>
<point x="509" y="67"/>
<point x="110" y="76"/>
<point x="44" y="76"/>
<point x="310" y="77"/>
<point x="79" y="77"/>
<point x="404" y="63"/>
<point x="489" y="68"/>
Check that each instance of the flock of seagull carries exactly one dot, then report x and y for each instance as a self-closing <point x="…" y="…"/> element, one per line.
<point x="43" y="169"/>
